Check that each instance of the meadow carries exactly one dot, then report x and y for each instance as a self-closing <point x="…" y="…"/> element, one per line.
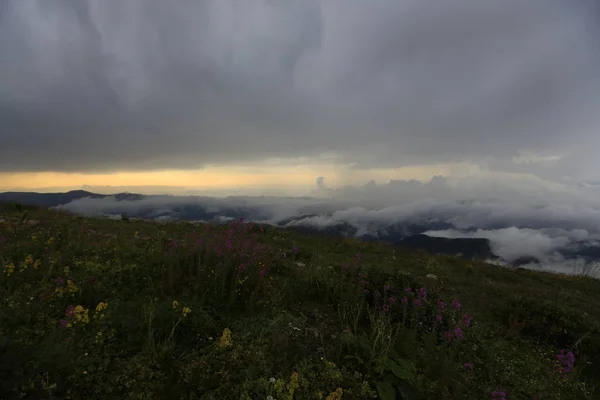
<point x="93" y="308"/>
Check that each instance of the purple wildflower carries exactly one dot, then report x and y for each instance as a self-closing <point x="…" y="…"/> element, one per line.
<point x="404" y="300"/>
<point x="392" y="300"/>
<point x="63" y="323"/>
<point x="408" y="290"/>
<point x="386" y="287"/>
<point x="468" y="366"/>
<point x="386" y="308"/>
<point x="566" y="360"/>
<point x="467" y="319"/>
<point x="417" y="302"/>
<point x="423" y="293"/>
<point x="438" y="318"/>
<point x="441" y="304"/>
<point x="456" y="304"/>
<point x="70" y="311"/>
<point x="499" y="395"/>
<point x="458" y="333"/>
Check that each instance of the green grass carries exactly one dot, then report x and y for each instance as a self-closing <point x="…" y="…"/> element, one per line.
<point x="101" y="309"/>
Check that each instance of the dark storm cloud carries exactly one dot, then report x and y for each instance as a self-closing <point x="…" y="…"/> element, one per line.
<point x="95" y="85"/>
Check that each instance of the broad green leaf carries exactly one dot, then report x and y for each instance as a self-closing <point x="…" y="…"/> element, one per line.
<point x="403" y="369"/>
<point x="386" y="391"/>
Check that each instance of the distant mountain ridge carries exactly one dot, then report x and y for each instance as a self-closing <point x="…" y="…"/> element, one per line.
<point x="406" y="234"/>
<point x="57" y="199"/>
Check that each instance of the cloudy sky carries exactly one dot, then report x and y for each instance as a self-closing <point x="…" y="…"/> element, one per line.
<point x="271" y="94"/>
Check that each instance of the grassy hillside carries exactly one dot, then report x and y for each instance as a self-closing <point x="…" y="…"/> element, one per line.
<point x="102" y="309"/>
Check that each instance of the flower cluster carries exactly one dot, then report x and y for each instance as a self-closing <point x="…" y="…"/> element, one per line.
<point x="498" y="395"/>
<point x="75" y="315"/>
<point x="63" y="287"/>
<point x="99" y="310"/>
<point x="225" y="341"/>
<point x="9" y="269"/>
<point x="566" y="360"/>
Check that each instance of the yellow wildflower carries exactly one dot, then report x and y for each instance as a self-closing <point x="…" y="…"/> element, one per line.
<point x="29" y="260"/>
<point x="175" y="304"/>
<point x="225" y="341"/>
<point x="186" y="311"/>
<point x="101" y="306"/>
<point x="81" y="314"/>
<point x="71" y="287"/>
<point x="66" y="270"/>
<point x="293" y="385"/>
<point x="337" y="395"/>
<point x="37" y="263"/>
<point x="9" y="269"/>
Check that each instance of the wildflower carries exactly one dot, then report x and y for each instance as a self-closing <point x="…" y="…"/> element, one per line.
<point x="499" y="395"/>
<point x="456" y="304"/>
<point x="566" y="360"/>
<point x="9" y="269"/>
<point x="29" y="260"/>
<point x="185" y="311"/>
<point x="408" y="290"/>
<point x="423" y="293"/>
<point x="272" y="380"/>
<point x="337" y="395"/>
<point x="66" y="270"/>
<point x="101" y="306"/>
<point x="81" y="315"/>
<point x="467" y="319"/>
<point x="386" y="287"/>
<point x="37" y="263"/>
<point x="175" y="304"/>
<point x="392" y="300"/>
<point x="71" y="287"/>
<point x="270" y="398"/>
<point x="70" y="311"/>
<point x="438" y="318"/>
<point x="293" y="385"/>
<point x="386" y="308"/>
<point x="417" y="302"/>
<point x="458" y="333"/>
<point x="441" y="304"/>
<point x="225" y="341"/>
<point x="64" y="323"/>
<point x="468" y="366"/>
<point x="404" y="300"/>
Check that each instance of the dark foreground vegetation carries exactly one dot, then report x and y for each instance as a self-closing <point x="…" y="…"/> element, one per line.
<point x="103" y="309"/>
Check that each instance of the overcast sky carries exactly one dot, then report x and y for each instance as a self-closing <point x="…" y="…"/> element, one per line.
<point x="103" y="86"/>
